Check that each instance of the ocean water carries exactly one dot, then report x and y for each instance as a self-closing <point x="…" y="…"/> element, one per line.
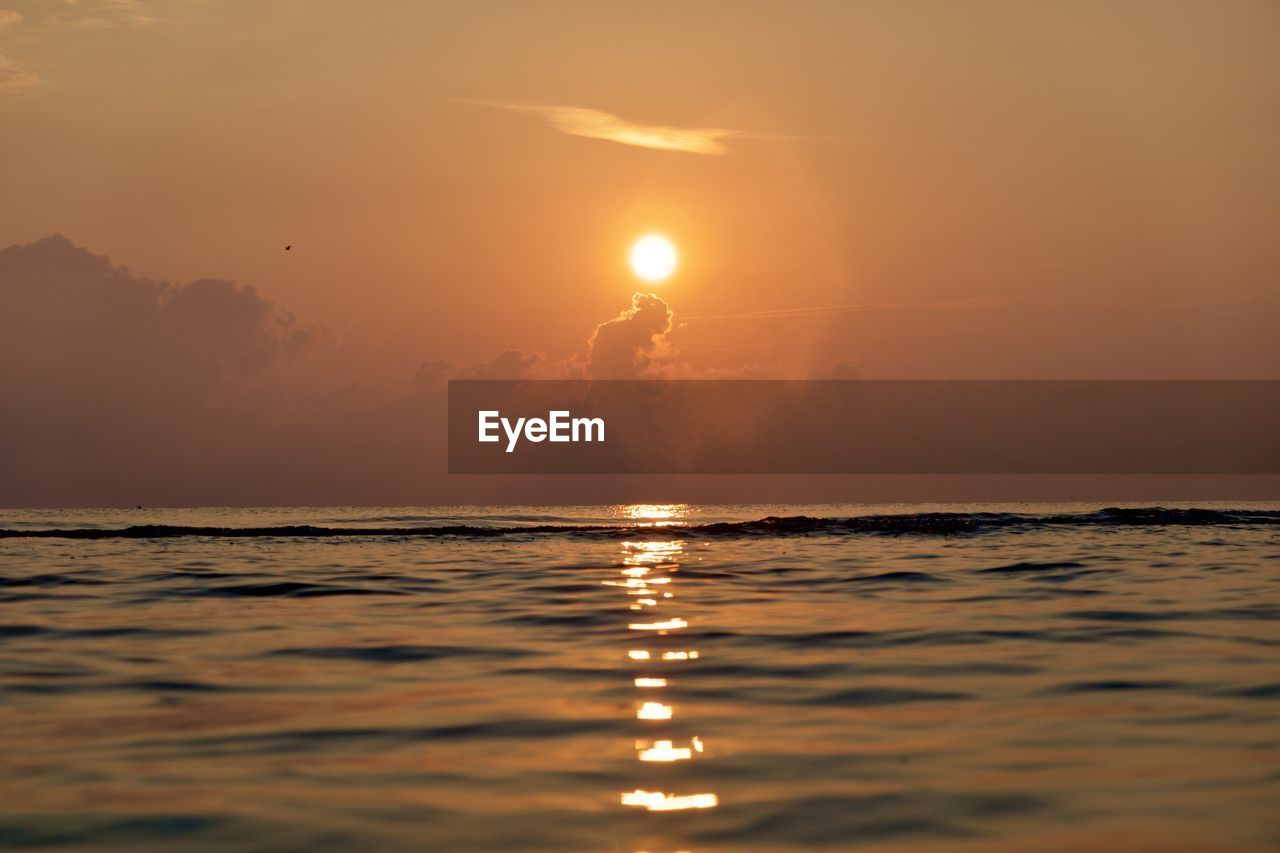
<point x="644" y="678"/>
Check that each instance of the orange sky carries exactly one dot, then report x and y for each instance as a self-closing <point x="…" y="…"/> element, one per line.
<point x="909" y="189"/>
<point x="923" y="152"/>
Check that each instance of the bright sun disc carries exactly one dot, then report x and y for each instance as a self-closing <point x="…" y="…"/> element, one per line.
<point x="653" y="258"/>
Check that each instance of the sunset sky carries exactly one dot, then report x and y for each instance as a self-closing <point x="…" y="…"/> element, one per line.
<point x="878" y="189"/>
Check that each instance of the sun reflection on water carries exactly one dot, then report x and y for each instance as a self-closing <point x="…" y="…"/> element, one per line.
<point x="654" y="711"/>
<point x="655" y="515"/>
<point x="662" y="750"/>
<point x="656" y="801"/>
<point x="668" y="625"/>
<point x="646" y="567"/>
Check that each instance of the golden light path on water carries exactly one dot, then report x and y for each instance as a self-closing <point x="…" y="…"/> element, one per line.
<point x="647" y="574"/>
<point x="655" y="515"/>
<point x="655" y="711"/>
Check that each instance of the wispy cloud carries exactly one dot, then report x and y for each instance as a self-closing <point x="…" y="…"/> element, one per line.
<point x="824" y="310"/>
<point x="49" y="18"/>
<point x="109" y="14"/>
<point x="597" y="124"/>
<point x="13" y="78"/>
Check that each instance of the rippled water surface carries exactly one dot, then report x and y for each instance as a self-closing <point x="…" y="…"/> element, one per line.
<point x="641" y="679"/>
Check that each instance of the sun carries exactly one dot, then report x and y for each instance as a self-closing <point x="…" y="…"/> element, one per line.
<point x="653" y="258"/>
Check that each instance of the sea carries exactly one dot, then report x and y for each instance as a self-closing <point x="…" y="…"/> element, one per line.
<point x="642" y="678"/>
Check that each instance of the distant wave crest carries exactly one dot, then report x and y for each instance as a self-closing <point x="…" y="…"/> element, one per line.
<point x="929" y="523"/>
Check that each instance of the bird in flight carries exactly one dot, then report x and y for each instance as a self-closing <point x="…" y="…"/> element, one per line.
<point x="287" y="248"/>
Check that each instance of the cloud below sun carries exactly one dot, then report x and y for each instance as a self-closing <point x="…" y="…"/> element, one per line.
<point x="597" y="124"/>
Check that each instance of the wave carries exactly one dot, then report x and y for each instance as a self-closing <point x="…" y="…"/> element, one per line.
<point x="927" y="523"/>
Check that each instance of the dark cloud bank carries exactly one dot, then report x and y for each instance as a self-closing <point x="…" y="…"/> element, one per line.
<point x="117" y="390"/>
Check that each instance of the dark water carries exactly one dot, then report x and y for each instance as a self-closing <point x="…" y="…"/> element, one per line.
<point x="942" y="678"/>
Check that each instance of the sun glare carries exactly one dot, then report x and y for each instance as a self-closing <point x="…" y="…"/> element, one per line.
<point x="653" y="258"/>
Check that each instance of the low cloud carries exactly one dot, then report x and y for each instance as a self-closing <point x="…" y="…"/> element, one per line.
<point x="843" y="369"/>
<point x="508" y="364"/>
<point x="634" y="344"/>
<point x="597" y="124"/>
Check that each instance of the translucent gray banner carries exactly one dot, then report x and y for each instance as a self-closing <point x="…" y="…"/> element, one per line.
<point x="864" y="427"/>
